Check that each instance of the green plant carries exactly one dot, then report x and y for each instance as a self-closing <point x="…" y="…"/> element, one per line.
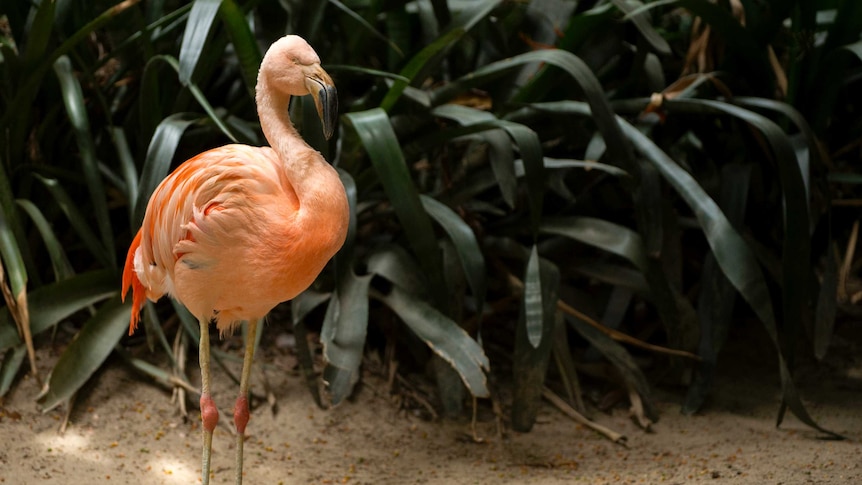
<point x="528" y="174"/>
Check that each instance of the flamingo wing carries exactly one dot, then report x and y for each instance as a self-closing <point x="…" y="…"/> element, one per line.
<point x="197" y="219"/>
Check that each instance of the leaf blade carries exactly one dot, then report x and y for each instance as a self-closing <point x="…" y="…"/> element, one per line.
<point x="198" y="27"/>
<point x="86" y="353"/>
<point x="443" y="336"/>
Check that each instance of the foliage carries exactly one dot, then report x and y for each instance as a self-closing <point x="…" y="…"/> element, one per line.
<point x="530" y="173"/>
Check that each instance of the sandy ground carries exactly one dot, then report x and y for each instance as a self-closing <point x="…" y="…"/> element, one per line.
<point x="126" y="430"/>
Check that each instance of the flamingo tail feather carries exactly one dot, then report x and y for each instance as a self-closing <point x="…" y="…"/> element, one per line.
<point x="131" y="281"/>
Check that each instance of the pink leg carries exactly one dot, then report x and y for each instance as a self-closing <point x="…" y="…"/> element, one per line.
<point x="240" y="410"/>
<point x="209" y="413"/>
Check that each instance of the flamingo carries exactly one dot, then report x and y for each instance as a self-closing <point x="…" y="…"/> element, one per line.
<point x="237" y="229"/>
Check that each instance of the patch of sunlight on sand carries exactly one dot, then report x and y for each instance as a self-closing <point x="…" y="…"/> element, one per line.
<point x="175" y="470"/>
<point x="72" y="443"/>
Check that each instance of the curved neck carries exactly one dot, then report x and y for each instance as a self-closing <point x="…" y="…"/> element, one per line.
<point x="304" y="168"/>
<point x="274" y="115"/>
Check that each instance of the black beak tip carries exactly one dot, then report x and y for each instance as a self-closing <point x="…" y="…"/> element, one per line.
<point x="329" y="110"/>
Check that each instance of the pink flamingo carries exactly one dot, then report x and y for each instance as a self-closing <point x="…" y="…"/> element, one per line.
<point x="236" y="230"/>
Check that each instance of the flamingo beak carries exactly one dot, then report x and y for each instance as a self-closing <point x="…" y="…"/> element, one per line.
<point x="322" y="89"/>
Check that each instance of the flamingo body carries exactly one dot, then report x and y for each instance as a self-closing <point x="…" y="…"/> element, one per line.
<point x="227" y="236"/>
<point x="236" y="230"/>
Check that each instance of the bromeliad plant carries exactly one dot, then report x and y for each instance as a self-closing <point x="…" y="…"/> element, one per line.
<point x="525" y="175"/>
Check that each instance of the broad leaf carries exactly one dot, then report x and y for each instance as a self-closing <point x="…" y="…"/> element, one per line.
<point x="464" y="240"/>
<point x="76" y="110"/>
<point x="443" y="336"/>
<point x="601" y="234"/>
<point x="85" y="354"/>
<point x="382" y="145"/>
<point x="343" y="335"/>
<point x="199" y="24"/>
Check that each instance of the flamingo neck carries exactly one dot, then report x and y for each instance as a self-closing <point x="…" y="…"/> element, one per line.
<point x="272" y="109"/>
<point x="312" y="179"/>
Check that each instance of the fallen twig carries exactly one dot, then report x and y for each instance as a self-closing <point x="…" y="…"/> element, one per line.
<point x="574" y="414"/>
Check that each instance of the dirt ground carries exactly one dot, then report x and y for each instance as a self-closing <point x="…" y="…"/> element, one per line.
<point x="124" y="429"/>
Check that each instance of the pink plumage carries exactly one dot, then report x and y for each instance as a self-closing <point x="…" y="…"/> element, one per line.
<point x="236" y="230"/>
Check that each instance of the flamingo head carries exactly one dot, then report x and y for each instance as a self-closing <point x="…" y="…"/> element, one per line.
<point x="292" y="68"/>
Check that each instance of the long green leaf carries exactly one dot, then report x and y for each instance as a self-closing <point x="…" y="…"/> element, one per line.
<point x="796" y="255"/>
<point x="73" y="99"/>
<point x="717" y="298"/>
<point x="382" y="145"/>
<point x="59" y="261"/>
<point x="619" y="147"/>
<point x="428" y="59"/>
<point x="199" y="96"/>
<point x="464" y="240"/>
<point x="160" y="153"/>
<point x="396" y="265"/>
<point x="622" y="360"/>
<point x="39" y="33"/>
<point x="811" y="142"/>
<point x="13" y="263"/>
<point x="305" y="302"/>
<point x="533" y="307"/>
<point x="641" y="21"/>
<point x="86" y="353"/>
<point x="600" y="234"/>
<point x="51" y="303"/>
<point x="735" y="258"/>
<point x="526" y="139"/>
<point x="78" y="221"/>
<point x="244" y="44"/>
<point x="443" y="336"/>
<point x="530" y="363"/>
<point x="563" y="163"/>
<point x="431" y="54"/>
<point x="198" y="27"/>
<point x="9" y="368"/>
<point x="127" y="165"/>
<point x="503" y="164"/>
<point x="343" y="335"/>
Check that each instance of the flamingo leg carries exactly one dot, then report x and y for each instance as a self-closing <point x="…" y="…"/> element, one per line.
<point x="209" y="413"/>
<point x="240" y="411"/>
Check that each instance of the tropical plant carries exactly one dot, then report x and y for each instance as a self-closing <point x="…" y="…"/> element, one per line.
<point x="548" y="177"/>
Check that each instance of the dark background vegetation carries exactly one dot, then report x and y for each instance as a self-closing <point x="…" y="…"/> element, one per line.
<point x="571" y="188"/>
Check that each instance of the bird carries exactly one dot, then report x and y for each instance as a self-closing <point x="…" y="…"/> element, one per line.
<point x="236" y="230"/>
